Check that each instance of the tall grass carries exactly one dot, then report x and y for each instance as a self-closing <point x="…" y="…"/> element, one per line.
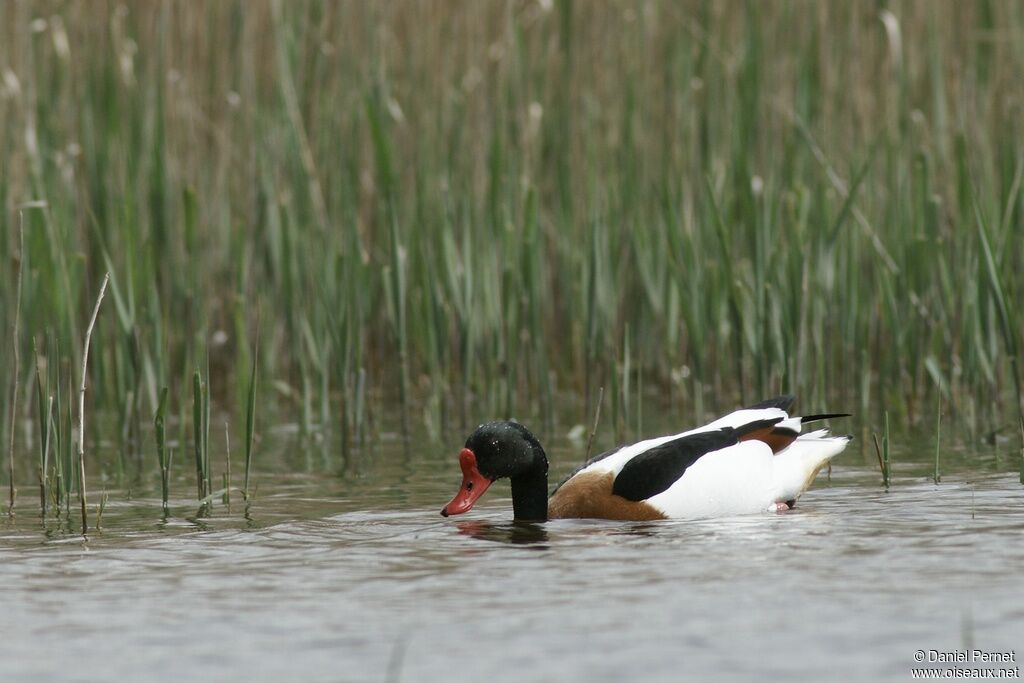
<point x="1008" y="327"/>
<point x="462" y="207"/>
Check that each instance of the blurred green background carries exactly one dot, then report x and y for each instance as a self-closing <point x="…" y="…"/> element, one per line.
<point x="432" y="213"/>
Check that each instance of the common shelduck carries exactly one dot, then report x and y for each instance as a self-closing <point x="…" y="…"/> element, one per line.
<point x="752" y="460"/>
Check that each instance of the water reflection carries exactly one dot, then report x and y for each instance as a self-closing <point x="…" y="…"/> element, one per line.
<point x="514" y="533"/>
<point x="638" y="529"/>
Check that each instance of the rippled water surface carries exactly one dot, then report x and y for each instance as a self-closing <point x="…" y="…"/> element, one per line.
<point x="353" y="576"/>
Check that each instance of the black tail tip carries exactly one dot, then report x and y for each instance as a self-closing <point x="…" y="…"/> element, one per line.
<point x="821" y="416"/>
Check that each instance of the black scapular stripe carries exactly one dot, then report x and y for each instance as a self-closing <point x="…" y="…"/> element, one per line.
<point x="654" y="470"/>
<point x="783" y="402"/>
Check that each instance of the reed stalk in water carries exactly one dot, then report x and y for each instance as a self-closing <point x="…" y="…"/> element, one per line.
<point x="201" y="433"/>
<point x="16" y="343"/>
<point x="250" y="420"/>
<point x="81" y="405"/>
<point x="44" y="406"/>
<point x="886" y="462"/>
<point x="227" y="467"/>
<point x="102" y="508"/>
<point x="593" y="429"/>
<point x="163" y="455"/>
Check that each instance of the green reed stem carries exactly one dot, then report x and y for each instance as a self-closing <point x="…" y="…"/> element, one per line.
<point x="227" y="466"/>
<point x="593" y="429"/>
<point x="102" y="507"/>
<point x="44" y="408"/>
<point x="197" y="434"/>
<point x="886" y="462"/>
<point x="15" y="379"/>
<point x="162" y="453"/>
<point x="207" y="470"/>
<point x="250" y="420"/>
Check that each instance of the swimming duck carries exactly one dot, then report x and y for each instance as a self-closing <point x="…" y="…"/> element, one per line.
<point x="752" y="460"/>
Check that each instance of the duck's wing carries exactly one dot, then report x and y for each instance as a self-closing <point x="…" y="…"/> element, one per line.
<point x="657" y="468"/>
<point x="620" y="485"/>
<point x="612" y="461"/>
<point x="745" y="461"/>
<point x="748" y="477"/>
<point x="736" y="479"/>
<point x="767" y="411"/>
<point x="779" y="436"/>
<point x="737" y="419"/>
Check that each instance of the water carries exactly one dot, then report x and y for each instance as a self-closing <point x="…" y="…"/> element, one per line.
<point x="354" y="576"/>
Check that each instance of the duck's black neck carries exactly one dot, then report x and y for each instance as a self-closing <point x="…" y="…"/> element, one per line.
<point x="508" y="449"/>
<point x="530" y="495"/>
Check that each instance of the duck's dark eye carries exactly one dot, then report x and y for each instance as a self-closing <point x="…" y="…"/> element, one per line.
<point x="469" y="486"/>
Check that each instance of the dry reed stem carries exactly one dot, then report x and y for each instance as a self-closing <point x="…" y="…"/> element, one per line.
<point x="81" y="404"/>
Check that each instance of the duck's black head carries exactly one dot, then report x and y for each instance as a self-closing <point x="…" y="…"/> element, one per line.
<point x="503" y="449"/>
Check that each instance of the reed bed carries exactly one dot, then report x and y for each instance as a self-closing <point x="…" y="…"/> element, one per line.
<point x="450" y="211"/>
